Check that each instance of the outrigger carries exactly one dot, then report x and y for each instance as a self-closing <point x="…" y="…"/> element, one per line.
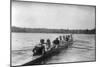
<point x="38" y="59"/>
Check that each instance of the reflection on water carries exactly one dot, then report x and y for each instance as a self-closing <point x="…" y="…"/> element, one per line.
<point x="83" y="48"/>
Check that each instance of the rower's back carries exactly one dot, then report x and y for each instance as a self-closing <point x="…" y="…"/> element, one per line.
<point x="56" y="42"/>
<point x="39" y="48"/>
<point x="48" y="44"/>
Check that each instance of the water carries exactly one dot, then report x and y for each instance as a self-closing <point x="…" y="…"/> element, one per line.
<point x="83" y="48"/>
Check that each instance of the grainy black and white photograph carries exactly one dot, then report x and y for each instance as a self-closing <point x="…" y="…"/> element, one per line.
<point x="52" y="33"/>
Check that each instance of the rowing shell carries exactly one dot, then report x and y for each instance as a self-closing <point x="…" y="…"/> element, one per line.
<point x="37" y="60"/>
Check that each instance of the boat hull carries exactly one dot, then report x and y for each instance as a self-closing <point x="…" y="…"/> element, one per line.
<point x="52" y="52"/>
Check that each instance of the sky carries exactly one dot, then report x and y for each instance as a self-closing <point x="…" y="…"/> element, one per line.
<point x="52" y="16"/>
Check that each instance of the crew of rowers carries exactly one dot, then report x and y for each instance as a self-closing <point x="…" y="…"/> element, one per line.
<point x="43" y="46"/>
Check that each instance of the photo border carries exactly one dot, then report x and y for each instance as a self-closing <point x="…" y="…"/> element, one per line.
<point x="48" y="3"/>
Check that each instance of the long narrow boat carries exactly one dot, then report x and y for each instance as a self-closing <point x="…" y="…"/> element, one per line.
<point x="38" y="60"/>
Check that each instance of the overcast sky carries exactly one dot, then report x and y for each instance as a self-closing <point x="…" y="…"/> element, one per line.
<point x="53" y="16"/>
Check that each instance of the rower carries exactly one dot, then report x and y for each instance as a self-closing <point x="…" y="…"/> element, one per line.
<point x="63" y="38"/>
<point x="71" y="37"/>
<point x="48" y="44"/>
<point x="60" y="38"/>
<point x="39" y="48"/>
<point x="67" y="38"/>
<point x="56" y="43"/>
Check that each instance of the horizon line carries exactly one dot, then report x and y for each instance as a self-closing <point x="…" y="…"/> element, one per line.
<point x="54" y="28"/>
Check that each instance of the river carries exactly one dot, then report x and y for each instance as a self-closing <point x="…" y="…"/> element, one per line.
<point x="83" y="48"/>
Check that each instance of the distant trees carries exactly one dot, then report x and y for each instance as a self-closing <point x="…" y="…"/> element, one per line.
<point x="44" y="30"/>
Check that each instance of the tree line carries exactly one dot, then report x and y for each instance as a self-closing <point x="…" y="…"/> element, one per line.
<point x="45" y="30"/>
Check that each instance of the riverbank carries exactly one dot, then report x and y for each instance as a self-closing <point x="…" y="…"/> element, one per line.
<point x="45" y="30"/>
